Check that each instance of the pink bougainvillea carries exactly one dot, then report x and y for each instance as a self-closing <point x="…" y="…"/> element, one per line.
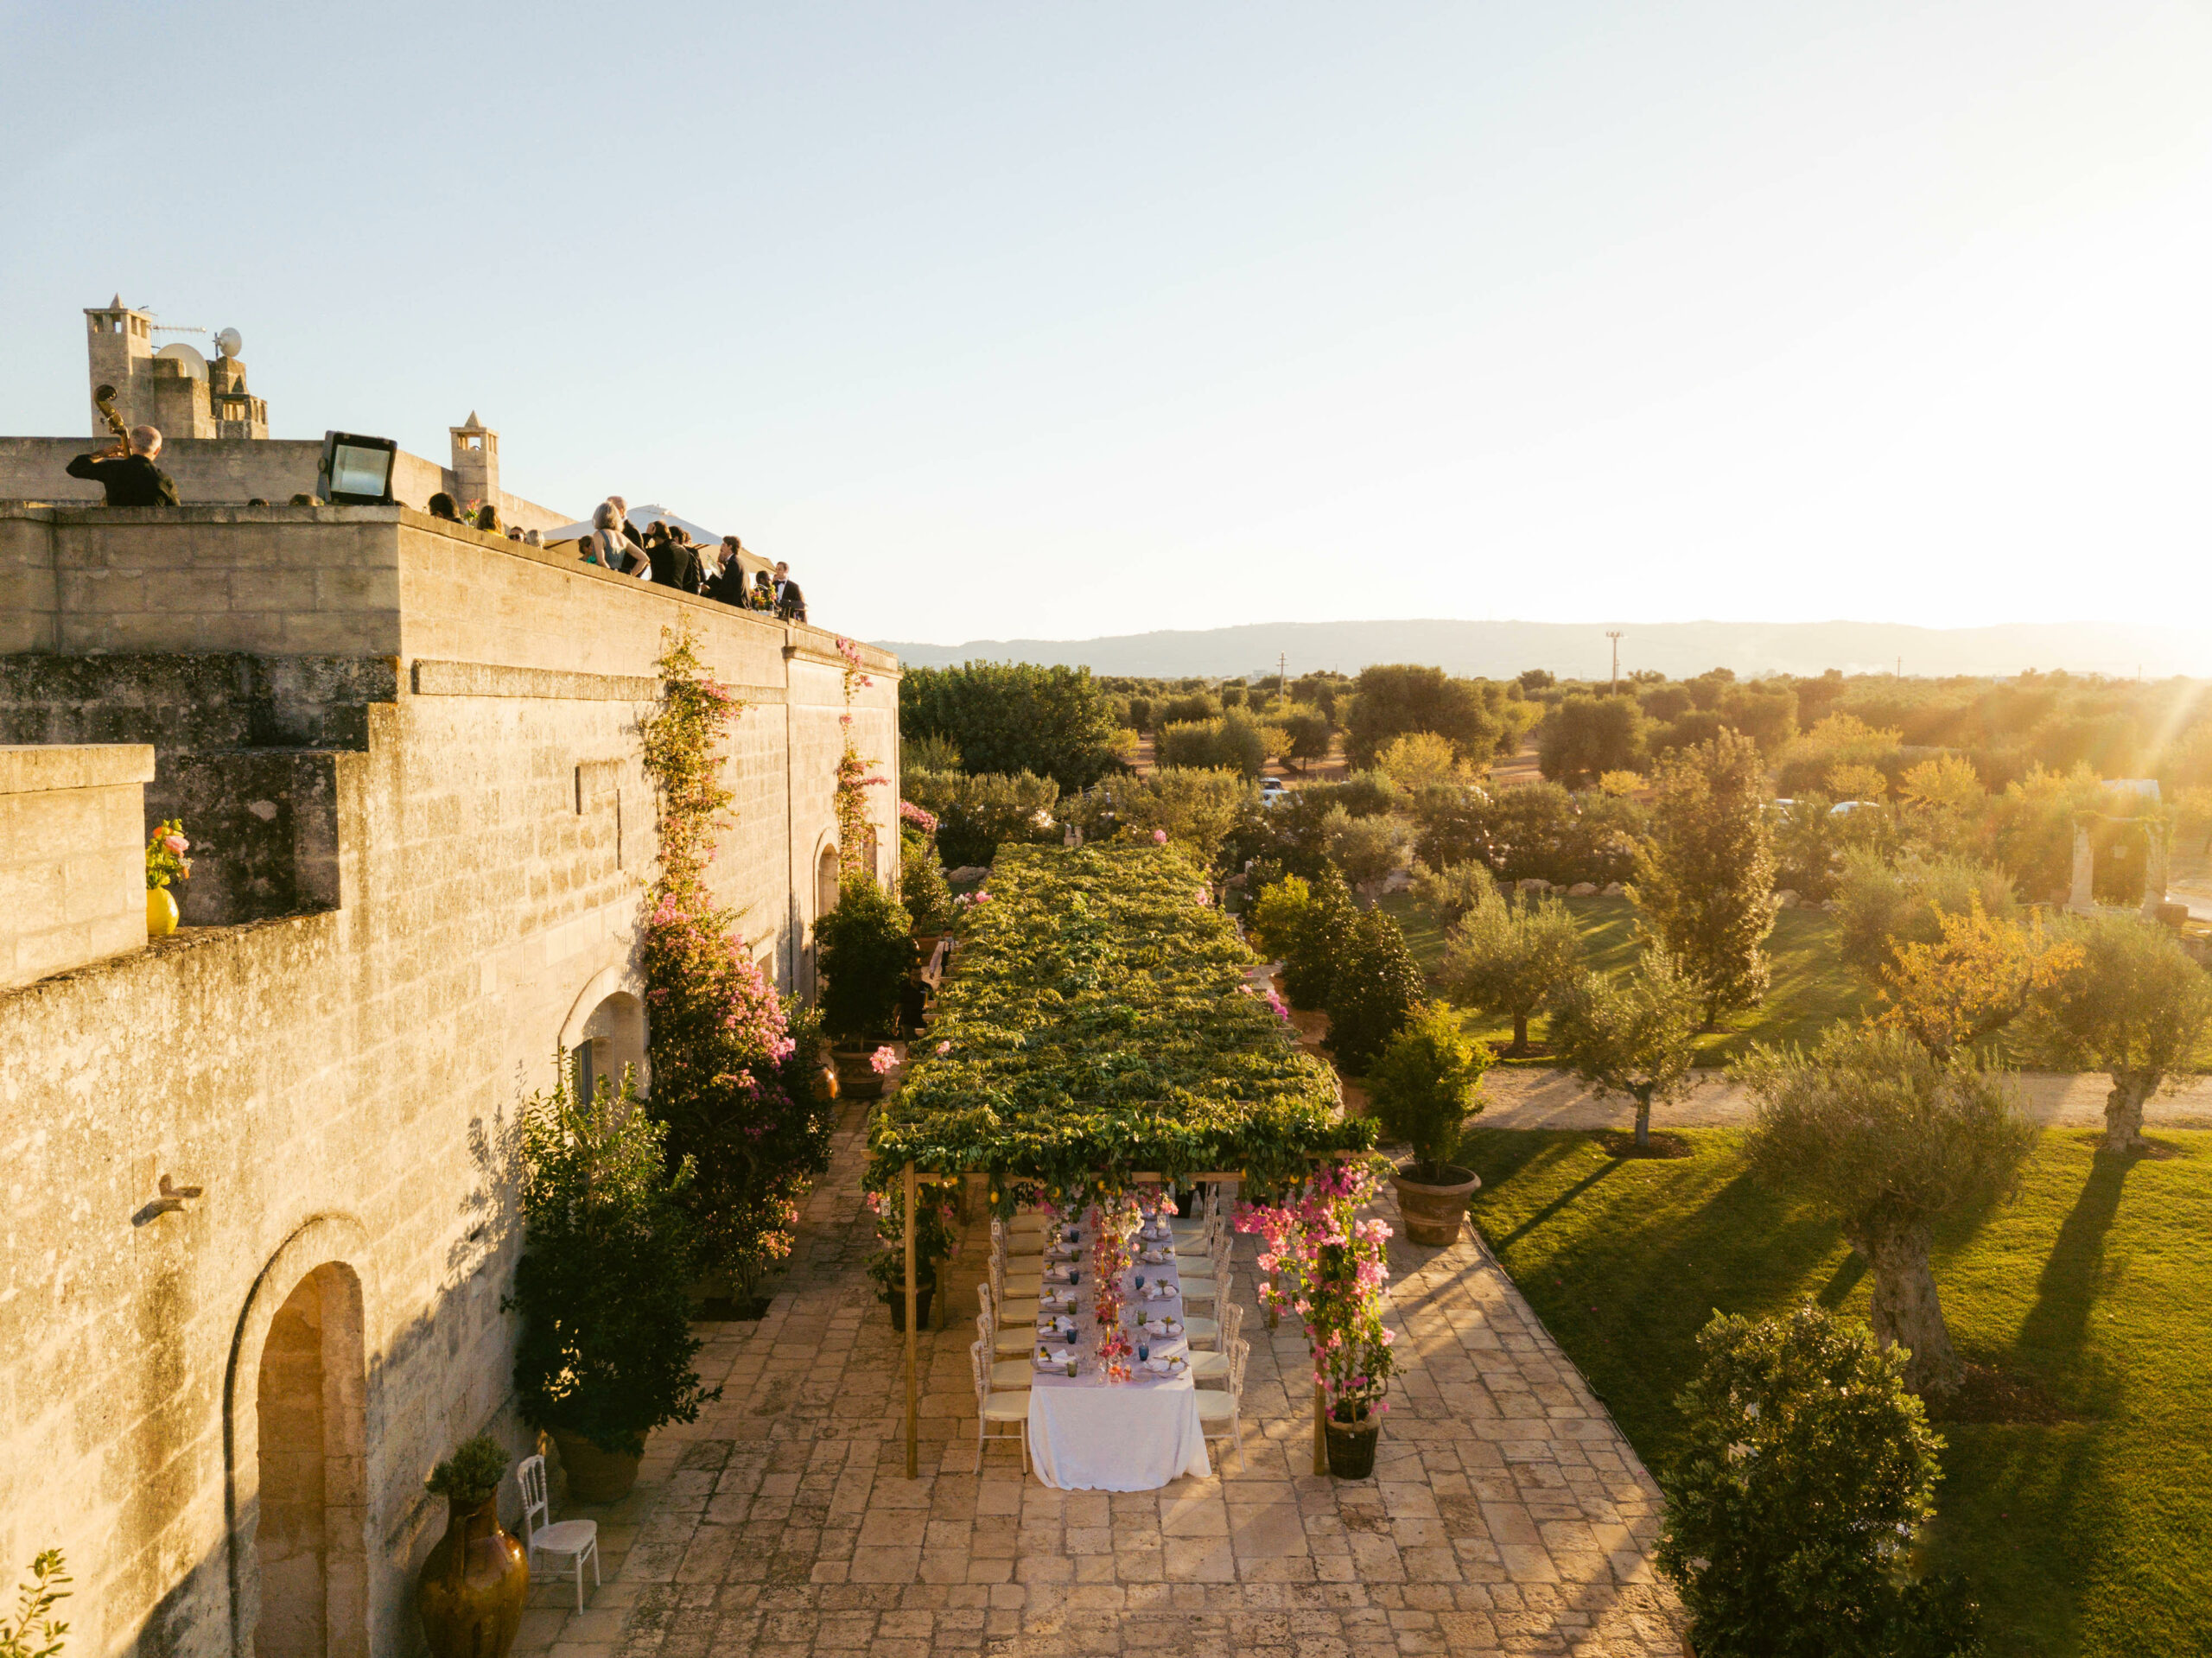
<point x="1331" y="1269"/>
<point x="721" y="1045"/>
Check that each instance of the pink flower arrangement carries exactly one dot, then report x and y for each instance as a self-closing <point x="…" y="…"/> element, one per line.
<point x="882" y="1061"/>
<point x="1160" y="837"/>
<point x="944" y="1047"/>
<point x="1331" y="1268"/>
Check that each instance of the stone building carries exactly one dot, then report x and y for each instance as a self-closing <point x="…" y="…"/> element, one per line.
<point x="261" y="1182"/>
<point x="215" y="441"/>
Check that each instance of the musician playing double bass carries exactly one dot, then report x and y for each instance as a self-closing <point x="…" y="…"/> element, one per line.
<point x="126" y="471"/>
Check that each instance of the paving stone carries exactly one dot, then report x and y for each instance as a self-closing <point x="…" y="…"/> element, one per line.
<point x="1506" y="1514"/>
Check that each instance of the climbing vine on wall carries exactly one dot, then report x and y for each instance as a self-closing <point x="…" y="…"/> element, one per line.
<point x="854" y="778"/>
<point x="730" y="1061"/>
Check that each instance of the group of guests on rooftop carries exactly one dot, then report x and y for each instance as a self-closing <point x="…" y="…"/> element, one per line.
<point x="665" y="555"/>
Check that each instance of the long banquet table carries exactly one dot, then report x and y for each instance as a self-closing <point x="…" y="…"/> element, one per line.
<point x="1089" y="1434"/>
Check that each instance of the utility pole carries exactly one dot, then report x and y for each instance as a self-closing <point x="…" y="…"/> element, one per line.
<point x="1615" y="638"/>
<point x="1282" y="675"/>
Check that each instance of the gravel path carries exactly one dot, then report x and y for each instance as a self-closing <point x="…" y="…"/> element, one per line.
<point x="1530" y="1098"/>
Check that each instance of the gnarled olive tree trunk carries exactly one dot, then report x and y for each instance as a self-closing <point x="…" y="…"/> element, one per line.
<point x="1906" y="1310"/>
<point x="1642" y="1117"/>
<point x="2124" y="1108"/>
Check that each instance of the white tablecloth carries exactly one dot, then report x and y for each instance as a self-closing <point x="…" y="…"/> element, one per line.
<point x="1087" y="1436"/>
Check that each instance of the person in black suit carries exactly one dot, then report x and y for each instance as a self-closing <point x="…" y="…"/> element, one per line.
<point x="728" y="583"/>
<point x="127" y="474"/>
<point x="675" y="563"/>
<point x="791" y="603"/>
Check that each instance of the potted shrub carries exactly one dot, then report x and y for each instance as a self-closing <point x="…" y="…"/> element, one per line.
<point x="932" y="1243"/>
<point x="923" y="888"/>
<point x="1421" y="1088"/>
<point x="865" y="949"/>
<point x="477" y="1578"/>
<point x="1329" y="1267"/>
<point x="606" y="1350"/>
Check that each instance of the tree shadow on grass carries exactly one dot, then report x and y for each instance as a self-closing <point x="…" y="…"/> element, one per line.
<point x="2052" y="1334"/>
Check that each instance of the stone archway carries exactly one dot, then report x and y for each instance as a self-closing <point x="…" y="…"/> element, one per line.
<point x="298" y="1380"/>
<point x="825" y="882"/>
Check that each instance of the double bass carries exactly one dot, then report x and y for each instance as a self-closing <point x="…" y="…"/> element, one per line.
<point x="103" y="400"/>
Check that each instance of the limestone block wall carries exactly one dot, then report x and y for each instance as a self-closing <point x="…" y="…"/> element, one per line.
<point x="345" y="1085"/>
<point x="73" y="873"/>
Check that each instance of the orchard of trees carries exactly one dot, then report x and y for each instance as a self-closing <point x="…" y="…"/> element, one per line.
<point x="1704" y="804"/>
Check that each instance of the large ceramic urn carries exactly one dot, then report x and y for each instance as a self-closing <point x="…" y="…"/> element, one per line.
<point x="473" y="1586"/>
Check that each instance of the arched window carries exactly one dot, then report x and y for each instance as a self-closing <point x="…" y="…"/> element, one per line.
<point x="825" y="882"/>
<point x="613" y="1037"/>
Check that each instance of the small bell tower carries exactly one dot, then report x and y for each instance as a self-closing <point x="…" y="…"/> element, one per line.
<point x="475" y="462"/>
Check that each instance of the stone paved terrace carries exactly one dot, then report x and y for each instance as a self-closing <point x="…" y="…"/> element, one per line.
<point x="1506" y="1513"/>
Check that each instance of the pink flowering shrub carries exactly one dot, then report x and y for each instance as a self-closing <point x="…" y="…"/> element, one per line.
<point x="729" y="1073"/>
<point x="1331" y="1268"/>
<point x="924" y="821"/>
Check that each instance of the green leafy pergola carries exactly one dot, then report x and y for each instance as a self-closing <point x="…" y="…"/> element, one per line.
<point x="1097" y="1034"/>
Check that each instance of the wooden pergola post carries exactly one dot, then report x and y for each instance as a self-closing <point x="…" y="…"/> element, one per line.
<point x="913" y="1342"/>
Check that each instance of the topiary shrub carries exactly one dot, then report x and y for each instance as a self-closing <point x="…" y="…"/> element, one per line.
<point x="1424" y="1085"/>
<point x="1807" y="1473"/>
<point x="1279" y="916"/>
<point x="865" y="948"/>
<point x="1373" y="990"/>
<point x="470" y="1477"/>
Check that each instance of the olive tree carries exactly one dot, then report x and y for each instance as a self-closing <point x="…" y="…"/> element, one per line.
<point x="1506" y="958"/>
<point x="1890" y="1138"/>
<point x="1705" y="873"/>
<point x="2128" y="1002"/>
<point x="1634" y="1036"/>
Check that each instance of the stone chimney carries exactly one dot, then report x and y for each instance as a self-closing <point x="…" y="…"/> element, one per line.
<point x="475" y="463"/>
<point x="120" y="344"/>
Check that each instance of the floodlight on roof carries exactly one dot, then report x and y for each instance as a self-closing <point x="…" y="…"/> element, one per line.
<point x="357" y="471"/>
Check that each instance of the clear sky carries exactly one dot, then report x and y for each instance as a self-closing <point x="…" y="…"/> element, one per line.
<point x="1065" y="320"/>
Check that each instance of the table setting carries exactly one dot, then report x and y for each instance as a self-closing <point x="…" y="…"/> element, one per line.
<point x="1112" y="1406"/>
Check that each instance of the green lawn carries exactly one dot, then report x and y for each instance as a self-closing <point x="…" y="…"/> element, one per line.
<point x="2091" y="1537"/>
<point x="1811" y="989"/>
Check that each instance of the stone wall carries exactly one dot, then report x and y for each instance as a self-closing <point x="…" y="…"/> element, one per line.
<point x="73" y="873"/>
<point x="468" y="828"/>
<point x="235" y="470"/>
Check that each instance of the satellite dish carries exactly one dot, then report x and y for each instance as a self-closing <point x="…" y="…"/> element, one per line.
<point x="228" y="342"/>
<point x="196" y="365"/>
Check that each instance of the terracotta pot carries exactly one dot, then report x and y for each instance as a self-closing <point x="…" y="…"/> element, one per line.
<point x="856" y="1078"/>
<point x="596" y="1475"/>
<point x="1352" y="1448"/>
<point x="161" y="912"/>
<point x="473" y="1586"/>
<point x="1434" y="1214"/>
<point x="898" y="1300"/>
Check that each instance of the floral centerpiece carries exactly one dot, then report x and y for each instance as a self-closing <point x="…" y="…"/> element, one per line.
<point x="1118" y="1220"/>
<point x="1331" y="1268"/>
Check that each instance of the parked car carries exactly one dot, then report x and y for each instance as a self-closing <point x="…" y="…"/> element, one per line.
<point x="1271" y="790"/>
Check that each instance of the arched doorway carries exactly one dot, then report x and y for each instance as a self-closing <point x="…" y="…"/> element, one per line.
<point x="310" y="1541"/>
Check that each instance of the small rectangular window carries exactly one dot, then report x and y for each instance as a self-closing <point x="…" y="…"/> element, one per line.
<point x="580" y="1067"/>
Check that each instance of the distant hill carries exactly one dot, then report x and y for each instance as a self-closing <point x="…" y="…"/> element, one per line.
<point x="1580" y="650"/>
